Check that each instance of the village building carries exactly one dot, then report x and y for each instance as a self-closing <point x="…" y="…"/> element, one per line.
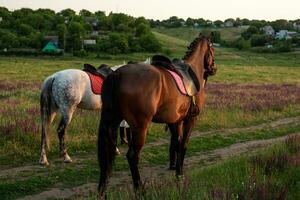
<point x="268" y="30"/>
<point x="89" y="42"/>
<point x="51" y="45"/>
<point x="228" y="24"/>
<point x="296" y="26"/>
<point x="91" y="20"/>
<point x="285" y="34"/>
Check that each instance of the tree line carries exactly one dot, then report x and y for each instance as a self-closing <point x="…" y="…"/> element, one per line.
<point x="114" y="33"/>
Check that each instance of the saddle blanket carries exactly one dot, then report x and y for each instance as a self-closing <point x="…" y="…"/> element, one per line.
<point x="96" y="83"/>
<point x="178" y="80"/>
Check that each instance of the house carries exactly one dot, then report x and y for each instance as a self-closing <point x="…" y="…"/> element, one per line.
<point x="52" y="44"/>
<point x="295" y="25"/>
<point x="91" y="20"/>
<point x="53" y="38"/>
<point x="285" y="34"/>
<point x="268" y="30"/>
<point x="89" y="42"/>
<point x="51" y="47"/>
<point x="228" y="24"/>
<point x="94" y="33"/>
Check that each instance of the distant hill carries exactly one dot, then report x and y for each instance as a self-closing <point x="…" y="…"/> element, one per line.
<point x="188" y="34"/>
<point x="176" y="45"/>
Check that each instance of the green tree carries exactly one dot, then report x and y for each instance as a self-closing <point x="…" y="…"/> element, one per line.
<point x="62" y="32"/>
<point x="281" y="24"/>
<point x="218" y="23"/>
<point x="25" y="29"/>
<point x="118" y="43"/>
<point x="85" y="13"/>
<point x="142" y="29"/>
<point x="67" y="13"/>
<point x="149" y="43"/>
<point x="241" y="44"/>
<point x="259" y="40"/>
<point x="75" y="36"/>
<point x="249" y="32"/>
<point x="8" y="39"/>
<point x="140" y="20"/>
<point x="189" y="22"/>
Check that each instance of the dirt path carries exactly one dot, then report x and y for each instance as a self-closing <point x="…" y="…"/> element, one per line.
<point x="122" y="178"/>
<point x="273" y="124"/>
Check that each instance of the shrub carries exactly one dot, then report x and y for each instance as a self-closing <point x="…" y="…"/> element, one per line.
<point x="80" y="53"/>
<point x="249" y="32"/>
<point x="283" y="45"/>
<point x="118" y="43"/>
<point x="259" y="40"/>
<point x="241" y="44"/>
<point x="149" y="43"/>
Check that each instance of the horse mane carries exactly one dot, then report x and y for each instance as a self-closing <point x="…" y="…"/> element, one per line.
<point x="193" y="45"/>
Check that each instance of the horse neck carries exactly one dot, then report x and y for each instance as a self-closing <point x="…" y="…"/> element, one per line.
<point x="196" y="61"/>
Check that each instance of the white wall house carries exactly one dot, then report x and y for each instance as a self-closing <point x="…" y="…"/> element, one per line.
<point x="89" y="42"/>
<point x="285" y="34"/>
<point x="268" y="30"/>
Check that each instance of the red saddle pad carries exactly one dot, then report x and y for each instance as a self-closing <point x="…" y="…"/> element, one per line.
<point x="96" y="83"/>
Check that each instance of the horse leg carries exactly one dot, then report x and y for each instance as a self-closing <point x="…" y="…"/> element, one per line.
<point x="61" y="130"/>
<point x="133" y="154"/>
<point x="183" y="143"/>
<point x="44" y="142"/>
<point x="172" y="149"/>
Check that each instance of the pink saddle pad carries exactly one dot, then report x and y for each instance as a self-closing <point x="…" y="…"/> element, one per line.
<point x="178" y="80"/>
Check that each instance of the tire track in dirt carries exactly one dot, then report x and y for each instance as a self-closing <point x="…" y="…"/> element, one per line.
<point x="122" y="178"/>
<point x="272" y="124"/>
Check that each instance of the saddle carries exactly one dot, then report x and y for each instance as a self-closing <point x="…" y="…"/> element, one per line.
<point x="97" y="76"/>
<point x="103" y="70"/>
<point x="177" y="67"/>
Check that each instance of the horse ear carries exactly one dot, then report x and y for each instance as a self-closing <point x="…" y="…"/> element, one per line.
<point x="200" y="34"/>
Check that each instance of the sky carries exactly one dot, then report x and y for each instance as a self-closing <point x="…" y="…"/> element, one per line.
<point x="163" y="9"/>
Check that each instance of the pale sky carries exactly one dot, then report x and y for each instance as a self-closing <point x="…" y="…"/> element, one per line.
<point x="163" y="9"/>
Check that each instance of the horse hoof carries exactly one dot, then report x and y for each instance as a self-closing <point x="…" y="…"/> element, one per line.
<point x="180" y="177"/>
<point x="67" y="159"/>
<point x="44" y="162"/>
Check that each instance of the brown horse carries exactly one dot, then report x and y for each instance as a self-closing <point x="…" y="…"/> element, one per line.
<point x="141" y="93"/>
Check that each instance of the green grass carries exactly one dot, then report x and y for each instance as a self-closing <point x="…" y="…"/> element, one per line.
<point x="20" y="145"/>
<point x="263" y="175"/>
<point x="87" y="171"/>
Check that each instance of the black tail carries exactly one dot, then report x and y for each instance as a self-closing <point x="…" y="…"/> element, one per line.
<point x="45" y="106"/>
<point x="110" y="119"/>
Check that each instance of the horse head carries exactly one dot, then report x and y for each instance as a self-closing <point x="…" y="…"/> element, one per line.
<point x="209" y="59"/>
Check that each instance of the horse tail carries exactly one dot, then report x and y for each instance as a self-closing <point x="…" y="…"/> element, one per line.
<point x="45" y="106"/>
<point x="107" y="138"/>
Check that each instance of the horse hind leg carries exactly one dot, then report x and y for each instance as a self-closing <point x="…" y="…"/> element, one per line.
<point x="45" y="140"/>
<point x="61" y="130"/>
<point x="133" y="154"/>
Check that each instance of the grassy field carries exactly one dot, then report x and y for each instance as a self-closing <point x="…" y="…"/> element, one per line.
<point x="249" y="90"/>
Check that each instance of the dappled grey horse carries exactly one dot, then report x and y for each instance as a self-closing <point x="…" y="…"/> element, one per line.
<point x="63" y="92"/>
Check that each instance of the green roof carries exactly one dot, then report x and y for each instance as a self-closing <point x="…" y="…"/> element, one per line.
<point x="50" y="47"/>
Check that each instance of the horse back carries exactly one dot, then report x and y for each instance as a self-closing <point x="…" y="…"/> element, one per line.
<point x="150" y="90"/>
